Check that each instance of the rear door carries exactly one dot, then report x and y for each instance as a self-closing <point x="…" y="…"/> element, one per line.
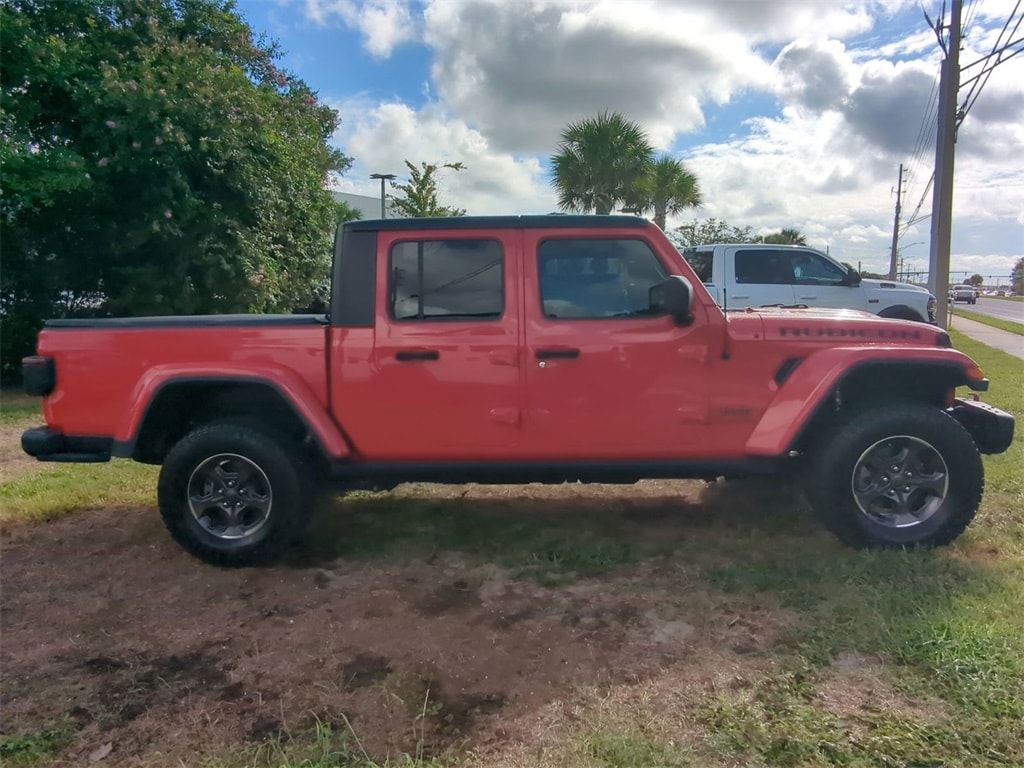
<point x="442" y="381"/>
<point x="604" y="379"/>
<point x="759" y="277"/>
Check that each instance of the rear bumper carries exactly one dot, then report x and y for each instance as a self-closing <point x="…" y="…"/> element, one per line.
<point x="991" y="428"/>
<point x="48" y="444"/>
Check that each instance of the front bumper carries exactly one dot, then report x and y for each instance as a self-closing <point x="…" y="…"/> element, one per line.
<point x="48" y="444"/>
<point x="991" y="428"/>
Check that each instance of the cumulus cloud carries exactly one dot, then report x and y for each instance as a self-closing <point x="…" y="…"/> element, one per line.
<point x="853" y="99"/>
<point x="383" y="23"/>
<point x="381" y="139"/>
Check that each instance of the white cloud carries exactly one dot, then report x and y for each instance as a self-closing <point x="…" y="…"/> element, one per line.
<point x="493" y="182"/>
<point x="855" y="99"/>
<point x="385" y="24"/>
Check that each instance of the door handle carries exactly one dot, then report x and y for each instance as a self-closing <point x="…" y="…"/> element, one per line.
<point x="405" y="355"/>
<point x="556" y="352"/>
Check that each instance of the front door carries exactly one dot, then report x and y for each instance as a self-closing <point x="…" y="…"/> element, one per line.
<point x="604" y="378"/>
<point x="818" y="282"/>
<point x="443" y="378"/>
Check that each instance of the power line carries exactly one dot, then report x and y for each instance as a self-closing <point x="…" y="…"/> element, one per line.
<point x="972" y="11"/>
<point x="978" y="81"/>
<point x="914" y="218"/>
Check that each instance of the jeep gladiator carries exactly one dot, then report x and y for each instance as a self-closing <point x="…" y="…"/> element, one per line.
<point x="517" y="349"/>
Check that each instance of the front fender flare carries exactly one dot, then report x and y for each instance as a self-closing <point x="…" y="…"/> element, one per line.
<point x="814" y="380"/>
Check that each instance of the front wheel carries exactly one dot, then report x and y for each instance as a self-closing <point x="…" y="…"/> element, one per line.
<point x="231" y="494"/>
<point x="902" y="475"/>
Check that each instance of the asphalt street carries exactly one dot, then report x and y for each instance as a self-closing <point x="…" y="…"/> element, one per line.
<point x="1008" y="310"/>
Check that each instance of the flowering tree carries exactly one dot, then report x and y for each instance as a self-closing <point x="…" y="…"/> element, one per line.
<point x="155" y="160"/>
<point x="420" y="195"/>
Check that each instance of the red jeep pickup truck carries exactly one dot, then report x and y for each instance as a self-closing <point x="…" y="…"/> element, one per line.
<point x="544" y="348"/>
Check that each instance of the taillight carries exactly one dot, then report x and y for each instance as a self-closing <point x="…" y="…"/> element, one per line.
<point x="38" y="374"/>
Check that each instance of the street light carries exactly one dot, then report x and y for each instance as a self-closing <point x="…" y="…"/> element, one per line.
<point x="382" y="177"/>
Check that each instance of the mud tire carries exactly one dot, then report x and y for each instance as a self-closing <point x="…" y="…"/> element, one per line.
<point x="845" y="480"/>
<point x="270" y="494"/>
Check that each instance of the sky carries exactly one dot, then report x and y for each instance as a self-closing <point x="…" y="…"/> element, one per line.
<point x="791" y="113"/>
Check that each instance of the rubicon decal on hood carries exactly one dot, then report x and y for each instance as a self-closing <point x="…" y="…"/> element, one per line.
<point x="850" y="333"/>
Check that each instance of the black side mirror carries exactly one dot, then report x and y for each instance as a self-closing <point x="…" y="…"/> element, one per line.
<point x="672" y="297"/>
<point x="852" y="278"/>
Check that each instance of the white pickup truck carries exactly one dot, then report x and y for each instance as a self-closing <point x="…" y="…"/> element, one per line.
<point x="965" y="293"/>
<point x="743" y="275"/>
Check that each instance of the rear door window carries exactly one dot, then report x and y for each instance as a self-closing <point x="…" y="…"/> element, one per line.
<point x="446" y="279"/>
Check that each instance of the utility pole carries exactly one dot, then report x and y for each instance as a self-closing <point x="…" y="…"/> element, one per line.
<point x="942" y="195"/>
<point x="896" y="227"/>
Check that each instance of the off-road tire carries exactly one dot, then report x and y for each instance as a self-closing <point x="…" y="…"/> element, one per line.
<point x="276" y="503"/>
<point x="952" y="479"/>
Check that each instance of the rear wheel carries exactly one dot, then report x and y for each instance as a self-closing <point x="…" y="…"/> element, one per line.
<point x="231" y="494"/>
<point x="897" y="475"/>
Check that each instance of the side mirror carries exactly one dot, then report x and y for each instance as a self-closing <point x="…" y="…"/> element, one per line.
<point x="852" y="278"/>
<point x="672" y="297"/>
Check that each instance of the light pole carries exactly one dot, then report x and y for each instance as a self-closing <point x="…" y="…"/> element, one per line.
<point x="899" y="251"/>
<point x="382" y="177"/>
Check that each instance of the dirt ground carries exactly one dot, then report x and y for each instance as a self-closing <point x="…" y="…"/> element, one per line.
<point x="14" y="461"/>
<point x="153" y="658"/>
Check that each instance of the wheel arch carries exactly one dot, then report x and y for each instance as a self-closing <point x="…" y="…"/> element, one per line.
<point x="178" y="405"/>
<point x="814" y="394"/>
<point x="902" y="312"/>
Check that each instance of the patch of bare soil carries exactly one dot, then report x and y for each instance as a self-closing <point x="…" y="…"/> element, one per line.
<point x="150" y="657"/>
<point x="14" y="462"/>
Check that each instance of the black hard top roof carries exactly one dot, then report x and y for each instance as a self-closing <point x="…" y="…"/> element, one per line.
<point x="525" y="221"/>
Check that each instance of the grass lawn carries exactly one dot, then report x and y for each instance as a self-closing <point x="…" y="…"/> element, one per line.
<point x="16" y="406"/>
<point x="995" y="322"/>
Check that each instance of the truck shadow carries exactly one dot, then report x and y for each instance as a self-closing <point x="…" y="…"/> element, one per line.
<point x="546" y="531"/>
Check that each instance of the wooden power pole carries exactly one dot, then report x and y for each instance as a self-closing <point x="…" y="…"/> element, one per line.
<point x="896" y="227"/>
<point x="942" y="194"/>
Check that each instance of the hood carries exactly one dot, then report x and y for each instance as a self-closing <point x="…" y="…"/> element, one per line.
<point x="832" y="327"/>
<point x="890" y="285"/>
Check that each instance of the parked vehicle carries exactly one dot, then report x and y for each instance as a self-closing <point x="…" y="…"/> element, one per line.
<point x="965" y="293"/>
<point x="740" y="275"/>
<point x="517" y="349"/>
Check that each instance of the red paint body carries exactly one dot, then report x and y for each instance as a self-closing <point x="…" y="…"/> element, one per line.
<point x="641" y="387"/>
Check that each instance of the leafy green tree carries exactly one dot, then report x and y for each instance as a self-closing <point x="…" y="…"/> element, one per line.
<point x="155" y="160"/>
<point x="1017" y="277"/>
<point x="600" y="163"/>
<point x="668" y="188"/>
<point x="711" y="230"/>
<point x="975" y="280"/>
<point x="785" y="237"/>
<point x="421" y="196"/>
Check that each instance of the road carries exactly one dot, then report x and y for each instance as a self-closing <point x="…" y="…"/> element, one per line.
<point x="1008" y="310"/>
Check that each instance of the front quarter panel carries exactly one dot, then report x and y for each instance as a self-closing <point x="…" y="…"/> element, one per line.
<point x="815" y="379"/>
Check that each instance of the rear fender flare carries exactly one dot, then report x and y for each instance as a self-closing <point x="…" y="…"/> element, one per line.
<point x="293" y="390"/>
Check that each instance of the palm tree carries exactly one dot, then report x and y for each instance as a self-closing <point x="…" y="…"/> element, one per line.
<point x="600" y="162"/>
<point x="785" y="237"/>
<point x="668" y="188"/>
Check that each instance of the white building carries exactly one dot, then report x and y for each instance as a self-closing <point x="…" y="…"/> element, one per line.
<point x="368" y="207"/>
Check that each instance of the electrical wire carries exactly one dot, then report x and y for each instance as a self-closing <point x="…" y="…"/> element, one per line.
<point x="978" y="81"/>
